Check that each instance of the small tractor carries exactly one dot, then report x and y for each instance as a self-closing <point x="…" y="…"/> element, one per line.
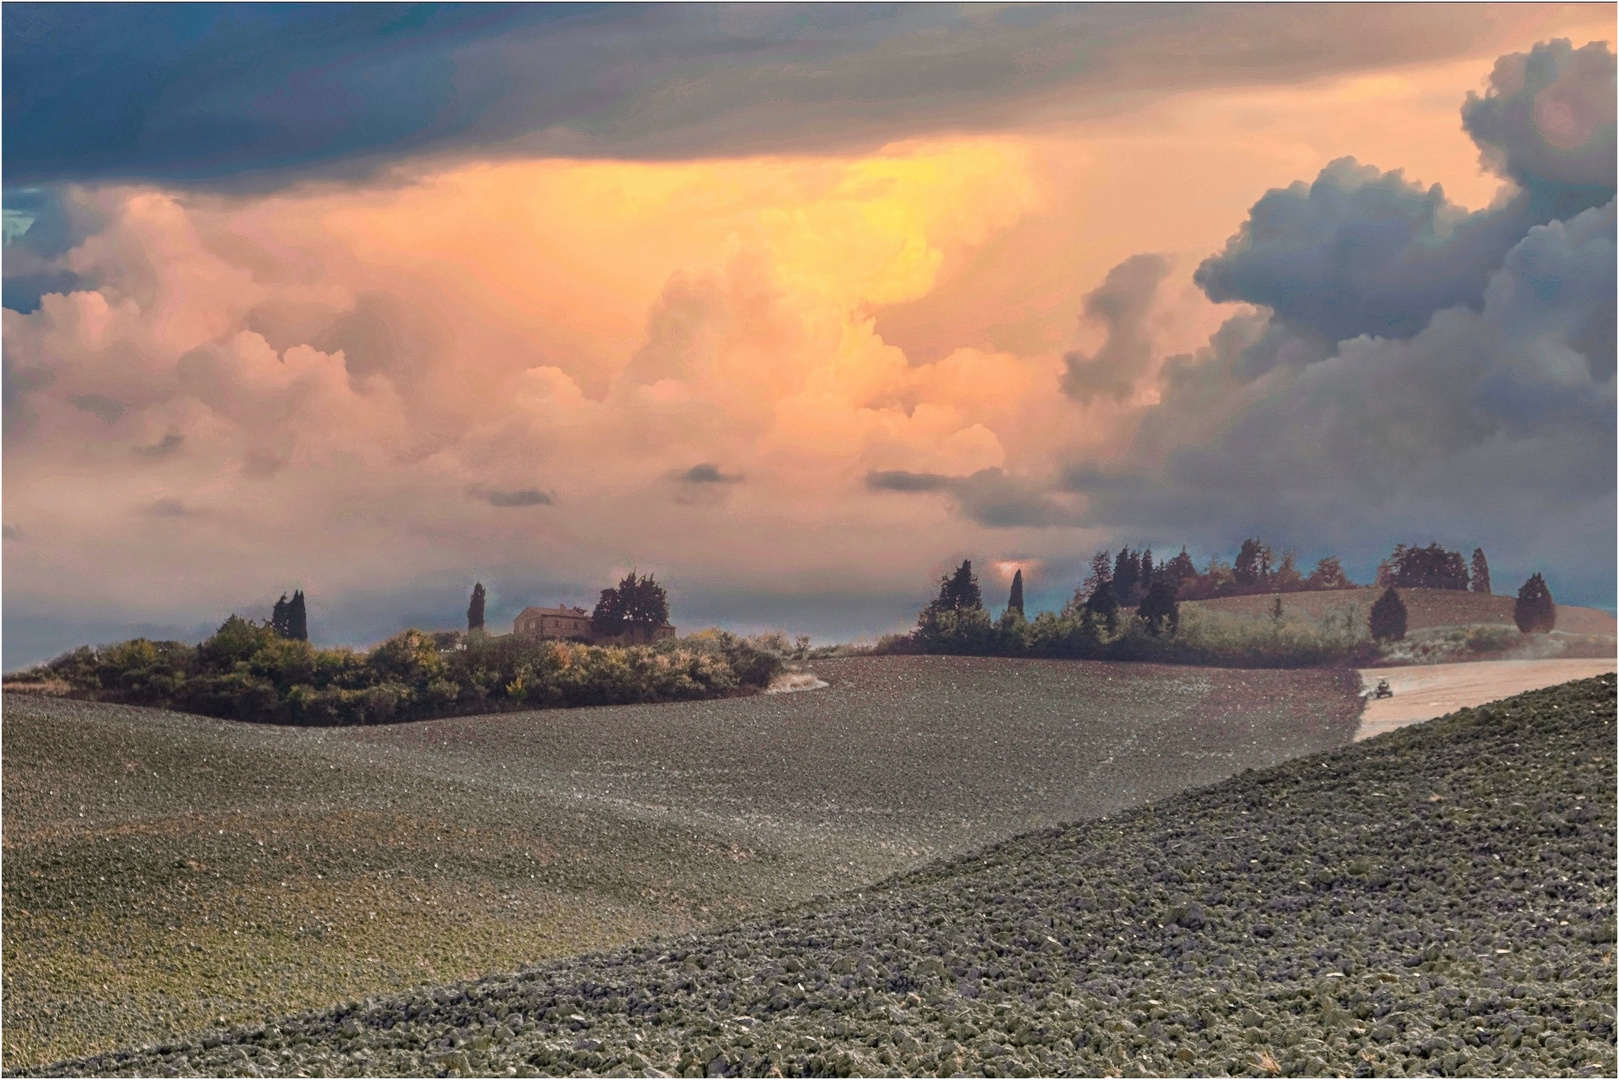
<point x="1382" y="690"/>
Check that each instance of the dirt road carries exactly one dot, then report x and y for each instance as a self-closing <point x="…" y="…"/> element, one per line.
<point x="1422" y="693"/>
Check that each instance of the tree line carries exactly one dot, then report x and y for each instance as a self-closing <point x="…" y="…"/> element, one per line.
<point x="1129" y="590"/>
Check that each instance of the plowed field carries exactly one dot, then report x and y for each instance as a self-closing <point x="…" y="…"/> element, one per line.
<point x="168" y="873"/>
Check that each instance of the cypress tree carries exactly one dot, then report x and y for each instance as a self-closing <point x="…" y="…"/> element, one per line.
<point x="475" y="609"/>
<point x="297" y="618"/>
<point x="1534" y="611"/>
<point x="279" y="620"/>
<point x="1144" y="581"/>
<point x="1015" y="601"/>
<point x="1481" y="572"/>
<point x="1388" y="616"/>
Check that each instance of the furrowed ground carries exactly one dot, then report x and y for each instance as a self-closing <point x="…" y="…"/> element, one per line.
<point x="165" y="874"/>
<point x="1436" y="901"/>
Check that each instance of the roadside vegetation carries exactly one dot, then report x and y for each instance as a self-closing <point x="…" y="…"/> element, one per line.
<point x="249" y="671"/>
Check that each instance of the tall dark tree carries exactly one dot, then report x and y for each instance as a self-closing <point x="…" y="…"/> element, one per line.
<point x="958" y="591"/>
<point x="1126" y="573"/>
<point x="1104" y="604"/>
<point x="1481" y="572"/>
<point x="1252" y="568"/>
<point x="646" y="605"/>
<point x="297" y="618"/>
<point x="1144" y="581"/>
<point x="1015" y="601"/>
<point x="1179" y="569"/>
<point x="475" y="609"/>
<point x="1101" y="571"/>
<point x="280" y="620"/>
<point x="636" y="605"/>
<point x="1159" y="609"/>
<point x="1388" y="616"/>
<point x="1431" y="567"/>
<point x="1534" y="612"/>
<point x="607" y="618"/>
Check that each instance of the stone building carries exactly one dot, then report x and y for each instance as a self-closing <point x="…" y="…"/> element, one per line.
<point x="553" y="622"/>
<point x="573" y="623"/>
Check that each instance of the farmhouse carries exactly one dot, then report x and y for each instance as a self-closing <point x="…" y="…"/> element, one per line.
<point x="553" y="622"/>
<point x="574" y="623"/>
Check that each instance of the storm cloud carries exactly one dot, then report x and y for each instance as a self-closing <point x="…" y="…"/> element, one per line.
<point x="262" y="95"/>
<point x="1493" y="426"/>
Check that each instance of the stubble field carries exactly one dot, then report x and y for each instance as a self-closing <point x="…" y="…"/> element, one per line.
<point x="165" y="874"/>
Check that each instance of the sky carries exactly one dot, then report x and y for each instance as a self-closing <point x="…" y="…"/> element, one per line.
<point x="793" y="307"/>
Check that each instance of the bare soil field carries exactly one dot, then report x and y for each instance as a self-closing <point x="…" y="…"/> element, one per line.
<point x="166" y="873"/>
<point x="1426" y="609"/>
<point x="1438" y="901"/>
<point x="1422" y="693"/>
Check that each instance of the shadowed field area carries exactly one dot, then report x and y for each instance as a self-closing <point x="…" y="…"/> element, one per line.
<point x="169" y="873"/>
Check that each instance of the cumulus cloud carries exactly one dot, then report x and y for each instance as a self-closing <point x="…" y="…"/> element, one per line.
<point x="1547" y="123"/>
<point x="1362" y="251"/>
<point x="1488" y="425"/>
<point x="1120" y="304"/>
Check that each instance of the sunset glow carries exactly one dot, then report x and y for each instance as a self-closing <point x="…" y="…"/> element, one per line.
<point x="539" y="369"/>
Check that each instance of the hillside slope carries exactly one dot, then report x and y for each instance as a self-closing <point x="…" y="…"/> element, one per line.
<point x="1425" y="608"/>
<point x="1439" y="900"/>
<point x="163" y="871"/>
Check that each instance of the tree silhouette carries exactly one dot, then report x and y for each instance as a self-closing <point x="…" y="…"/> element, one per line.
<point x="959" y="591"/>
<point x="280" y="620"/>
<point x="1328" y="574"/>
<point x="475" y="609"/>
<point x="1388" y="616"/>
<point x="635" y="604"/>
<point x="1105" y="604"/>
<point x="1015" y="601"/>
<point x="297" y="618"/>
<point x="1126" y="573"/>
<point x="1252" y="568"/>
<point x="1534" y="612"/>
<point x="1430" y="567"/>
<point x="1101" y="571"/>
<point x="1159" y="609"/>
<point x="1481" y="572"/>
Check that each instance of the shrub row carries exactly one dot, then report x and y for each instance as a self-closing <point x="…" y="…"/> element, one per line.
<point x="247" y="671"/>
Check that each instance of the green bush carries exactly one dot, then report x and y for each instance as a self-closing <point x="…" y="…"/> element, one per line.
<point x="246" y="671"/>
